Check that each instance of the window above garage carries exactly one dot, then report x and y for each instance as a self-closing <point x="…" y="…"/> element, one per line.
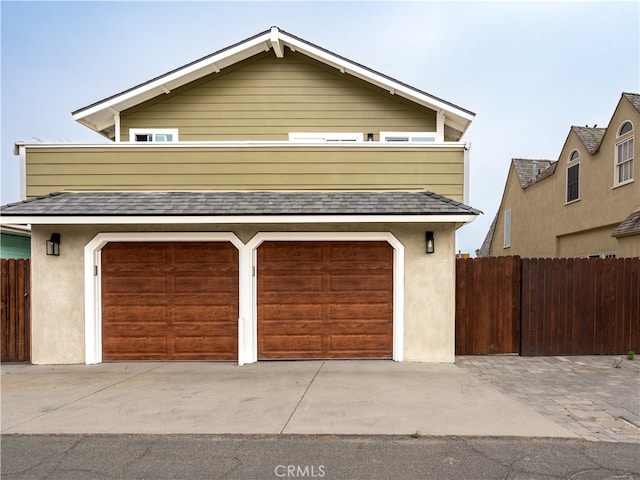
<point x="153" y="134"/>
<point x="312" y="137"/>
<point x="408" y="137"/>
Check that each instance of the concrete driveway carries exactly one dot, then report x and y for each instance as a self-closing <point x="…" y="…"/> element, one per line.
<point x="308" y="397"/>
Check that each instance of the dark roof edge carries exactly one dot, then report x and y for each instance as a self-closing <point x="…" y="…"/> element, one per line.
<point x="175" y="70"/>
<point x="166" y="74"/>
<point x="422" y="92"/>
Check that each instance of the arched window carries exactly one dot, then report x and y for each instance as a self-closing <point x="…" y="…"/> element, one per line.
<point x="626" y="127"/>
<point x="574" y="155"/>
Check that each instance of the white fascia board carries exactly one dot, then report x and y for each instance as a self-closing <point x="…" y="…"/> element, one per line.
<point x="370" y="76"/>
<point x="245" y="144"/>
<point x="179" y="77"/>
<point x="227" y="220"/>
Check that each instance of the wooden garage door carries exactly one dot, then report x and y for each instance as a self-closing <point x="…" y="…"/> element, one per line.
<point x="169" y="301"/>
<point x="325" y="300"/>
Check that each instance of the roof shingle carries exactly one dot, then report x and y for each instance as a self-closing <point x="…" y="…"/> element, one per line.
<point x="237" y="204"/>
<point x="629" y="226"/>
<point x="590" y="137"/>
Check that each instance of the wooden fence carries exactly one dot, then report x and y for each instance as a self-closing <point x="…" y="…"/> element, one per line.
<point x="15" y="310"/>
<point x="547" y="306"/>
<point x="487" y="305"/>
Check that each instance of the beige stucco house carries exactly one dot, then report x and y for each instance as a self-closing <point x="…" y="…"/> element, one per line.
<point x="272" y="200"/>
<point x="585" y="204"/>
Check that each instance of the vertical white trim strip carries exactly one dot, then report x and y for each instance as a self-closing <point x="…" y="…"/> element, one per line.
<point x="466" y="174"/>
<point x="22" y="151"/>
<point x="116" y="123"/>
<point x="440" y="121"/>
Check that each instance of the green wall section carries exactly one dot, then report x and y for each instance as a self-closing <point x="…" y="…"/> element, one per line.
<point x="15" y="246"/>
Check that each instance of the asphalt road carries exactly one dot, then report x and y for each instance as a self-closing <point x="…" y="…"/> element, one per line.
<point x="248" y="457"/>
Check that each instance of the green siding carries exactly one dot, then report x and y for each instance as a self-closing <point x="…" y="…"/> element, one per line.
<point x="266" y="98"/>
<point x="14" y="246"/>
<point x="285" y="167"/>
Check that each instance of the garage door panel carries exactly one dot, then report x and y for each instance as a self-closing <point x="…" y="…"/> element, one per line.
<point x="291" y="346"/>
<point x="369" y="283"/>
<point x="290" y="311"/>
<point x="159" y="300"/>
<point x="354" y="310"/>
<point x="295" y="255"/>
<point x="140" y="284"/>
<point x="348" y="312"/>
<point x="127" y="347"/>
<point x="358" y="344"/>
<point x="186" y="346"/>
<point x="125" y="314"/>
<point x="197" y="253"/>
<point x="214" y="317"/>
<point x="291" y="283"/>
<point x="201" y="284"/>
<point x="359" y="252"/>
<point x="125" y="253"/>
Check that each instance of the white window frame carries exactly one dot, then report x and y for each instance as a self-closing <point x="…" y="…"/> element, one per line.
<point x="566" y="197"/>
<point x="155" y="133"/>
<point x="319" y="137"/>
<point x="507" y="228"/>
<point x="571" y="156"/>
<point x="620" y="134"/>
<point x="617" y="165"/>
<point x="412" y="137"/>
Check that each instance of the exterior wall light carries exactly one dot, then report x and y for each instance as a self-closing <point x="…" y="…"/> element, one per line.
<point x="431" y="244"/>
<point x="53" y="245"/>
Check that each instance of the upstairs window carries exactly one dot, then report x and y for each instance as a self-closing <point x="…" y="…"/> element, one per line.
<point x="575" y="155"/>
<point x="312" y="137"/>
<point x="417" y="137"/>
<point x="624" y="156"/>
<point x="625" y="128"/>
<point x="573" y="183"/>
<point x="153" y="134"/>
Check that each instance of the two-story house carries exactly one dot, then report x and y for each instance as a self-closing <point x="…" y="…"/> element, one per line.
<point x="585" y="204"/>
<point x="272" y="200"/>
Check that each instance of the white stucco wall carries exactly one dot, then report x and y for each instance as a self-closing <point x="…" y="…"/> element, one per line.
<point x="58" y="286"/>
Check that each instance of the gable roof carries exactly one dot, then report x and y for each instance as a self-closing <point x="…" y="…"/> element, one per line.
<point x="99" y="116"/>
<point x="530" y="171"/>
<point x="485" y="248"/>
<point x="237" y="204"/>
<point x="629" y="226"/>
<point x="591" y="137"/>
<point x="634" y="99"/>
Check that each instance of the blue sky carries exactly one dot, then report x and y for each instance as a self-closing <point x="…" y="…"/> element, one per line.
<point x="529" y="70"/>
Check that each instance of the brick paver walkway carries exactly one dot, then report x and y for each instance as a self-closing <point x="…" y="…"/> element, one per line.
<point x="597" y="397"/>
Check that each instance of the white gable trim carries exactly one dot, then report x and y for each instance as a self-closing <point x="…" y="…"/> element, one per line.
<point x="99" y="116"/>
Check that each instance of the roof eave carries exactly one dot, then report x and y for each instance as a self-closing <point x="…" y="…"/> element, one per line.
<point x="461" y="218"/>
<point x="100" y="116"/>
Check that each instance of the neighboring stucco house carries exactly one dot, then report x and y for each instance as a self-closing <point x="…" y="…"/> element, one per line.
<point x="585" y="204"/>
<point x="15" y="241"/>
<point x="272" y="200"/>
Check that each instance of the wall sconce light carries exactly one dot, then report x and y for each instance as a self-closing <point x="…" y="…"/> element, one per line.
<point x="53" y="245"/>
<point x="369" y="137"/>
<point x="431" y="244"/>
